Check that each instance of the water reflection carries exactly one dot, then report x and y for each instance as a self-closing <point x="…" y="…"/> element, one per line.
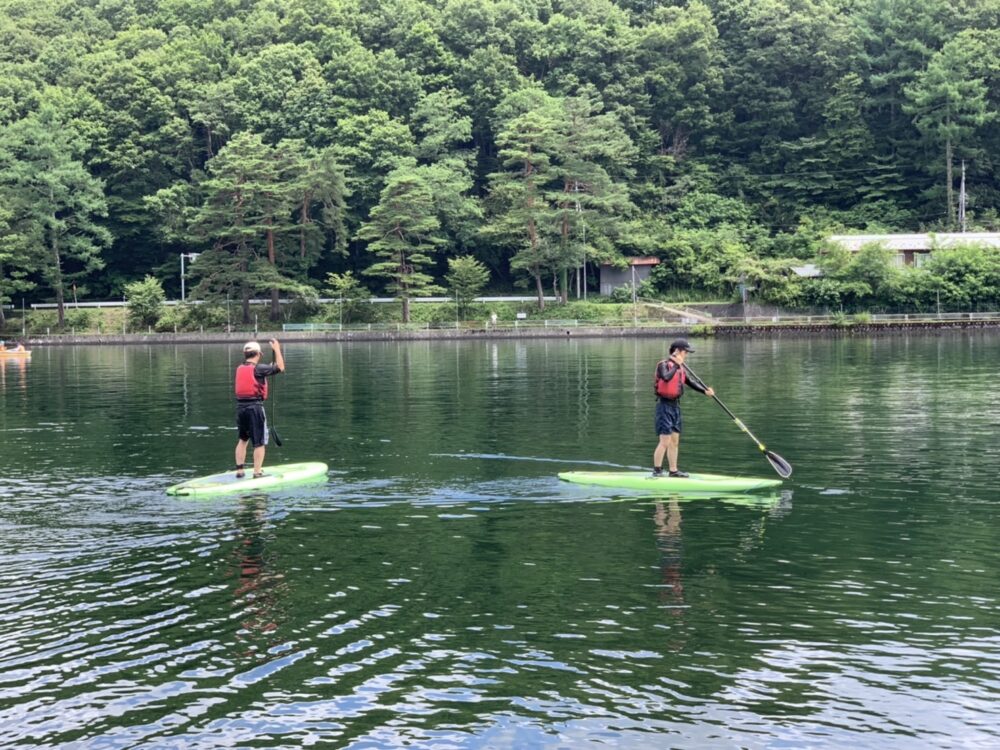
<point x="14" y="373"/>
<point x="259" y="585"/>
<point x="446" y="589"/>
<point x="667" y="517"/>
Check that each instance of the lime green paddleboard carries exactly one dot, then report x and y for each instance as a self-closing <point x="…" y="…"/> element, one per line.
<point x="645" y="481"/>
<point x="274" y="477"/>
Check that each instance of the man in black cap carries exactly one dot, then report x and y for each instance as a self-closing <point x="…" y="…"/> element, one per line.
<point x="670" y="381"/>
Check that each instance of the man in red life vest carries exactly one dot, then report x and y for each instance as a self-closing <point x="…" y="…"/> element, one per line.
<point x="670" y="381"/>
<point x="251" y="391"/>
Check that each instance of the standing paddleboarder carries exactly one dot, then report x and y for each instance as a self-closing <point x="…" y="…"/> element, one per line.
<point x="251" y="392"/>
<point x="669" y="383"/>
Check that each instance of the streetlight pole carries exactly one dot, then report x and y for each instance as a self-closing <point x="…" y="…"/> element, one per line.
<point x="191" y="257"/>
<point x="635" y="313"/>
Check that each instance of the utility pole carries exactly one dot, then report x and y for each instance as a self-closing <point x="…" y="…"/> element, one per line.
<point x="962" y="223"/>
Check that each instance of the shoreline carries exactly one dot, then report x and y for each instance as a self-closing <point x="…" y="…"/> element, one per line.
<point x="554" y="332"/>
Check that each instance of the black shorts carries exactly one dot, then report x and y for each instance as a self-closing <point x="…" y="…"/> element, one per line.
<point x="252" y="423"/>
<point x="668" y="417"/>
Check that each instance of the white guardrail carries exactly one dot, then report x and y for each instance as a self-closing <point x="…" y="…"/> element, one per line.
<point x="322" y="300"/>
<point x="790" y="319"/>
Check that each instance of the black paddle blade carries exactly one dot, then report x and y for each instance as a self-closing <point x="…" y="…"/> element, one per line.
<point x="277" y="441"/>
<point x="779" y="464"/>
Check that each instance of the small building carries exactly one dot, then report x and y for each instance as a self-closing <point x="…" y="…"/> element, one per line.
<point x="808" y="271"/>
<point x="914" y="249"/>
<point x="636" y="272"/>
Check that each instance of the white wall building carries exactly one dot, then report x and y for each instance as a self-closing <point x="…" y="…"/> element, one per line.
<point x="914" y="249"/>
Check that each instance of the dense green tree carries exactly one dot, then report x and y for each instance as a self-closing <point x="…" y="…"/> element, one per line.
<point x="581" y="131"/>
<point x="466" y="279"/>
<point x="402" y="232"/>
<point x="52" y="204"/>
<point x="247" y="212"/>
<point x="15" y="260"/>
<point x="949" y="104"/>
<point x="524" y="212"/>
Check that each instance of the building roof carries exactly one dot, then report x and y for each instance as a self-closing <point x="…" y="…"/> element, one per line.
<point x="917" y="242"/>
<point x="643" y="261"/>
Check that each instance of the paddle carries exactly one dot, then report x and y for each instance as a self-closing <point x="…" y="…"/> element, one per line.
<point x="779" y="464"/>
<point x="274" y="406"/>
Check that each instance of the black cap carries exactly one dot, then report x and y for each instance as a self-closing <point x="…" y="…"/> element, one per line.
<point x="680" y="344"/>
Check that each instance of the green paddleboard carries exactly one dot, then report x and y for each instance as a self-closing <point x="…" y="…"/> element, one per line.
<point x="645" y="481"/>
<point x="274" y="477"/>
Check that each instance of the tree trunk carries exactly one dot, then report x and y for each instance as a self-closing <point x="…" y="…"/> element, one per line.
<point x="539" y="288"/>
<point x="57" y="282"/>
<point x="3" y="320"/>
<point x="303" y="218"/>
<point x="950" y="178"/>
<point x="273" y="260"/>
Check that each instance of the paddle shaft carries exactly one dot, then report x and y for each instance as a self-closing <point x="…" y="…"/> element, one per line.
<point x="274" y="408"/>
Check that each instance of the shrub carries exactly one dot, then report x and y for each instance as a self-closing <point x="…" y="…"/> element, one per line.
<point x="145" y="301"/>
<point x="80" y="319"/>
<point x="354" y="305"/>
<point x="840" y="319"/>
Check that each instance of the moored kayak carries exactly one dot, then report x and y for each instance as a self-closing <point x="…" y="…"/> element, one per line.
<point x="274" y="477"/>
<point x="646" y="482"/>
<point x="10" y="354"/>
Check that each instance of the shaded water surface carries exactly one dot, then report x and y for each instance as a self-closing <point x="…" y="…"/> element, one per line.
<point x="445" y="590"/>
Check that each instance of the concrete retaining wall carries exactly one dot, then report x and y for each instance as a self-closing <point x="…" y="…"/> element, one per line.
<point x="666" y="331"/>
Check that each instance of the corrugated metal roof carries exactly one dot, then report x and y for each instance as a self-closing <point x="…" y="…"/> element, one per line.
<point x="917" y="242"/>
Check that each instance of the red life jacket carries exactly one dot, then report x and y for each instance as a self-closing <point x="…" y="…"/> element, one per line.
<point x="672" y="388"/>
<point x="247" y="386"/>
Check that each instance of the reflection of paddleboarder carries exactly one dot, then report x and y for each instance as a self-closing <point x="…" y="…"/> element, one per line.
<point x="258" y="588"/>
<point x="668" y="540"/>
<point x="251" y="392"/>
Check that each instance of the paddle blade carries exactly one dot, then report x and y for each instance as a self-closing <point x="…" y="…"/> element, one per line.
<point x="277" y="440"/>
<point x="779" y="464"/>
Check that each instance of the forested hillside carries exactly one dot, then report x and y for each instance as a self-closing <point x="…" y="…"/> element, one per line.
<point x="288" y="139"/>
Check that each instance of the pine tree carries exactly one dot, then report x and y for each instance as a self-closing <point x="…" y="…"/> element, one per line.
<point x="949" y="103"/>
<point x="403" y="230"/>
<point x="521" y="193"/>
<point x="247" y="210"/>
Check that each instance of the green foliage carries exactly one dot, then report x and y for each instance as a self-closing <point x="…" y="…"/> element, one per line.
<point x="726" y="137"/>
<point x="80" y="318"/>
<point x="145" y="301"/>
<point x="403" y="230"/>
<point x="841" y="319"/>
<point x="466" y="279"/>
<point x="354" y="305"/>
<point x="51" y="206"/>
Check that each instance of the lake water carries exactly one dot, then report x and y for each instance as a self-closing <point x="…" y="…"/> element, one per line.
<point x="444" y="589"/>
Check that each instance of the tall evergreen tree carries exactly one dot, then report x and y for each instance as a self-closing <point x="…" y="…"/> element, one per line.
<point x="949" y="103"/>
<point x="523" y="215"/>
<point x="403" y="230"/>
<point x="247" y="212"/>
<point x="53" y="204"/>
